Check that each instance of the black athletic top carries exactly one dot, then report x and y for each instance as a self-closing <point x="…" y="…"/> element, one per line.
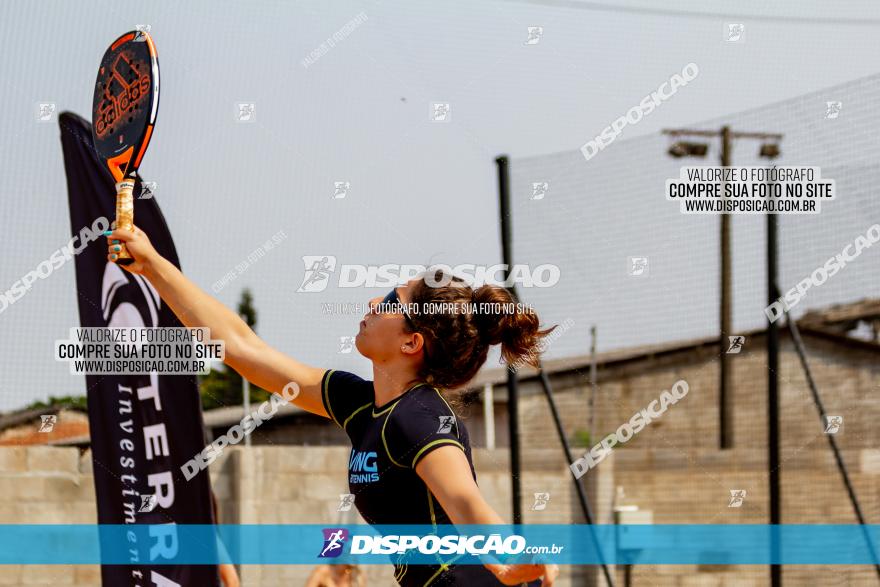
<point x="387" y="443"/>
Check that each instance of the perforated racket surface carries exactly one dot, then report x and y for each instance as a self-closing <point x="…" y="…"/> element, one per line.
<point x="125" y="103"/>
<point x="124" y="108"/>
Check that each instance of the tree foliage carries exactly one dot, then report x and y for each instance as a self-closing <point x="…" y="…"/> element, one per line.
<point x="223" y="387"/>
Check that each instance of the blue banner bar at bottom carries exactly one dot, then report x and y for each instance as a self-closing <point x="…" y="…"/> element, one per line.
<point x="172" y="544"/>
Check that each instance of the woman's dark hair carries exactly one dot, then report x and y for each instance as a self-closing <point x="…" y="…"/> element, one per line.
<point x="460" y="324"/>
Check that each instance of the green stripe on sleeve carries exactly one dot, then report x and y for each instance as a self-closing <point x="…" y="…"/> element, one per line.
<point x="435" y="443"/>
<point x="325" y="397"/>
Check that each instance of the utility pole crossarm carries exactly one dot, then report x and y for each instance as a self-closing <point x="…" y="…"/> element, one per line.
<point x="768" y="136"/>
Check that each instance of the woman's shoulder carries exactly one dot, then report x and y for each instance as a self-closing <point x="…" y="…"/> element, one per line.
<point x="426" y="397"/>
<point x="338" y="377"/>
<point x="420" y="422"/>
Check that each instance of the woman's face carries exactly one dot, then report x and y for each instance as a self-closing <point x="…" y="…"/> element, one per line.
<point x="381" y="335"/>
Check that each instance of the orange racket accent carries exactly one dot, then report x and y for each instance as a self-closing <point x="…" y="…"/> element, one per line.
<point x="122" y="40"/>
<point x="150" y="45"/>
<point x="137" y="162"/>
<point x="116" y="163"/>
<point x="116" y="74"/>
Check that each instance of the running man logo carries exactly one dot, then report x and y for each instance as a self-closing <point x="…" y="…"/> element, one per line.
<point x="440" y="112"/>
<point x="334" y="542"/>
<point x="47" y="423"/>
<point x="346" y="344"/>
<point x="45" y="110"/>
<point x="318" y="270"/>
<point x="832" y="109"/>
<point x="637" y="266"/>
<point x="340" y="189"/>
<point x="362" y="467"/>
<point x="541" y="500"/>
<point x="735" y="32"/>
<point x="148" y="190"/>
<point x="148" y="503"/>
<point x="833" y="424"/>
<point x="539" y="190"/>
<point x="736" y="344"/>
<point x="140" y="29"/>
<point x="446" y="424"/>
<point x="535" y="34"/>
<point x="247" y="112"/>
<point x="346" y="500"/>
<point x="737" y="497"/>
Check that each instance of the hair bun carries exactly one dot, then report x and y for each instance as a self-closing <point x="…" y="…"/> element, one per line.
<point x="457" y="344"/>
<point x="490" y="324"/>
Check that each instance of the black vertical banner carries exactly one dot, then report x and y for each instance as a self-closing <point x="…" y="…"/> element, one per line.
<point x="143" y="427"/>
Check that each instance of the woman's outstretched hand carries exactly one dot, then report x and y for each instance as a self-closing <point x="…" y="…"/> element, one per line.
<point x="518" y="574"/>
<point x="138" y="245"/>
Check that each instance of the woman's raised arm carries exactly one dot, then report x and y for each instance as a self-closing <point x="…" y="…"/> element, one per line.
<point x="447" y="474"/>
<point x="245" y="352"/>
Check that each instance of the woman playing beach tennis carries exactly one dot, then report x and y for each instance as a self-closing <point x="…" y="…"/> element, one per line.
<point x="410" y="461"/>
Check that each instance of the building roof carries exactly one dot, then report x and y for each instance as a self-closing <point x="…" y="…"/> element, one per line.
<point x="843" y="315"/>
<point x="831" y="323"/>
<point x="229" y="415"/>
<point x="70" y="427"/>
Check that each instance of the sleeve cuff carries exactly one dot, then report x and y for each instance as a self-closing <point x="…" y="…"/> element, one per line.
<point x="325" y="396"/>
<point x="434" y="445"/>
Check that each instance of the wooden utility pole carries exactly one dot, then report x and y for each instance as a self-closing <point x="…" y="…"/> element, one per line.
<point x="725" y="389"/>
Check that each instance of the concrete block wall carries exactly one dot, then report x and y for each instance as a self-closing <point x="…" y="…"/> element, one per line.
<point x="674" y="468"/>
<point x="47" y="485"/>
<point x="848" y="380"/>
<point x="301" y="485"/>
<point x="256" y="485"/>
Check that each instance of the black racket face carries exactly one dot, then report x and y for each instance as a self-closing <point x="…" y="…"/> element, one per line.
<point x="125" y="102"/>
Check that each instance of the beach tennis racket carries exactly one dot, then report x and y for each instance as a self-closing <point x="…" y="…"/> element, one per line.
<point x="123" y="114"/>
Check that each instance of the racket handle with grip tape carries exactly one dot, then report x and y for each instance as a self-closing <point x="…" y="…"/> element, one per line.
<point x="124" y="216"/>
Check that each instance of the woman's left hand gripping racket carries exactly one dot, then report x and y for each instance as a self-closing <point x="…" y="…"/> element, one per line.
<point x="123" y="114"/>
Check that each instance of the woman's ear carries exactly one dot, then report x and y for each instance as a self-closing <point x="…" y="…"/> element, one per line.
<point x="413" y="345"/>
